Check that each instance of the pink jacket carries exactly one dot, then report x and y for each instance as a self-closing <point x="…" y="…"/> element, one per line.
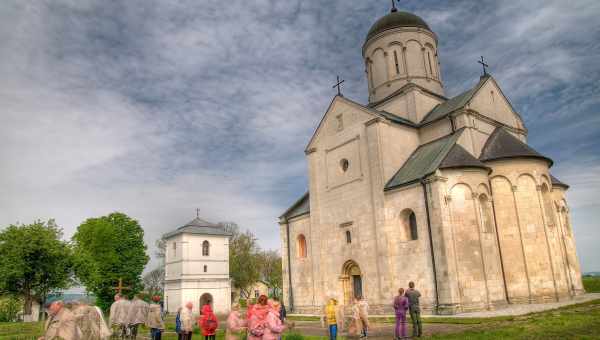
<point x="274" y="327"/>
<point x="234" y="326"/>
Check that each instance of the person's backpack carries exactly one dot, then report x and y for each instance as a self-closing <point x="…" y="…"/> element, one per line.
<point x="258" y="331"/>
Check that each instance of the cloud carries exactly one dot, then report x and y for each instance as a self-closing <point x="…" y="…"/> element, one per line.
<point x="157" y="108"/>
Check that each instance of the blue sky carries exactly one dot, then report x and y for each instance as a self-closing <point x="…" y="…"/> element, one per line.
<point x="156" y="108"/>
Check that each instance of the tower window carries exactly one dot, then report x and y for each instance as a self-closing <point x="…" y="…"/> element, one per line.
<point x="396" y="62"/>
<point x="205" y="248"/>
<point x="205" y="268"/>
<point x="174" y="245"/>
<point x="430" y="66"/>
<point x="348" y="237"/>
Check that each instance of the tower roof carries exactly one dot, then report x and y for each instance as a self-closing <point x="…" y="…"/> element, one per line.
<point x="394" y="20"/>
<point x="199" y="226"/>
<point x="501" y="145"/>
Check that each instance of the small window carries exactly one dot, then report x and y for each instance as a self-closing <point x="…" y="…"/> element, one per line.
<point x="486" y="214"/>
<point x="256" y="294"/>
<point x="205" y="248"/>
<point x="412" y="220"/>
<point x="348" y="237"/>
<point x="430" y="66"/>
<point x="174" y="245"/>
<point x="301" y="246"/>
<point x="205" y="268"/>
<point x="340" y="122"/>
<point x="344" y="164"/>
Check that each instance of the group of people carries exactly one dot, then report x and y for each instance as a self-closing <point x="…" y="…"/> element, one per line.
<point x="333" y="315"/>
<point x="126" y="316"/>
<point x="77" y="320"/>
<point x="263" y="321"/>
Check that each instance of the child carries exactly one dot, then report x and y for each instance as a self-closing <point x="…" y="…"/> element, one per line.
<point x="235" y="324"/>
<point x="209" y="323"/>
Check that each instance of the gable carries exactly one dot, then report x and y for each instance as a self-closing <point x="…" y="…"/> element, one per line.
<point x="491" y="102"/>
<point x="341" y="111"/>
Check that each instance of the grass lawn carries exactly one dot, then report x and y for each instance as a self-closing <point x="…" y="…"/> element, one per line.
<point x="591" y="284"/>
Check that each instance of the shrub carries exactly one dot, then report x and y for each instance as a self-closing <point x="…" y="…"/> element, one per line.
<point x="9" y="307"/>
<point x="243" y="303"/>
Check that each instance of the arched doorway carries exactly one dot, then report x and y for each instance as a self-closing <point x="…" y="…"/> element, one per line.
<point x="206" y="299"/>
<point x="351" y="281"/>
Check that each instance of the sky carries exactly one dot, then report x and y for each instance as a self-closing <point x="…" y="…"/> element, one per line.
<point x="158" y="108"/>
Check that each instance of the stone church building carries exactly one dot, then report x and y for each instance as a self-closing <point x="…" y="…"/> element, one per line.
<point x="416" y="186"/>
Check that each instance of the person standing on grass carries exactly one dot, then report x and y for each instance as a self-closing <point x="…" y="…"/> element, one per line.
<point x="235" y="324"/>
<point x="273" y="325"/>
<point x="187" y="321"/>
<point x="400" y="307"/>
<point x="363" y="314"/>
<point x="414" y="308"/>
<point x="208" y="323"/>
<point x="119" y="311"/>
<point x="154" y="321"/>
<point x="178" y="324"/>
<point x="138" y="312"/>
<point x="258" y="319"/>
<point x="333" y="317"/>
<point x="61" y="323"/>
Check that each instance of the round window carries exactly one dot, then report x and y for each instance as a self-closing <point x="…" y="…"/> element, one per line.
<point x="344" y="164"/>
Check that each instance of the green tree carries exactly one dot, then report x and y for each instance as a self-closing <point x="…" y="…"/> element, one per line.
<point x="34" y="261"/>
<point x="243" y="258"/>
<point x="270" y="269"/>
<point x="107" y="249"/>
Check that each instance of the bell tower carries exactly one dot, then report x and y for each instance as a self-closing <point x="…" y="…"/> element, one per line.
<point x="400" y="48"/>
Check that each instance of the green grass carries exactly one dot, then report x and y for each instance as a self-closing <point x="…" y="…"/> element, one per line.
<point x="580" y="321"/>
<point x="591" y="284"/>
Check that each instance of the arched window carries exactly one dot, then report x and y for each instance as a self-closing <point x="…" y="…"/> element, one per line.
<point x="205" y="268"/>
<point x="348" y="237"/>
<point x="486" y="214"/>
<point x="412" y="222"/>
<point x="301" y="246"/>
<point x="205" y="248"/>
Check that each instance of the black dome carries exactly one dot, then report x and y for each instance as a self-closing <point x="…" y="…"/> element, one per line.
<point x="396" y="19"/>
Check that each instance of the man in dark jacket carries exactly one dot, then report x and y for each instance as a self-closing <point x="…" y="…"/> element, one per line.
<point x="414" y="309"/>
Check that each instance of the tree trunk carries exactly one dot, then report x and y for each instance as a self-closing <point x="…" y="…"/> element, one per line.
<point x="28" y="303"/>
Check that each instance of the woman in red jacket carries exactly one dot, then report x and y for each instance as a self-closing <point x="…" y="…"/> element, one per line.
<point x="208" y="323"/>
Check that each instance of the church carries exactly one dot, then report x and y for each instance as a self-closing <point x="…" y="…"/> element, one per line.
<point x="417" y="186"/>
<point x="197" y="267"/>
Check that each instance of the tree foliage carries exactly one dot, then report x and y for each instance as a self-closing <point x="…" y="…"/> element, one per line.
<point x="243" y="258"/>
<point x="34" y="261"/>
<point x="107" y="249"/>
<point x="270" y="269"/>
<point x="154" y="280"/>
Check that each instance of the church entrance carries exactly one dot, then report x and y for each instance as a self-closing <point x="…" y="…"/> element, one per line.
<point x="206" y="299"/>
<point x="351" y="281"/>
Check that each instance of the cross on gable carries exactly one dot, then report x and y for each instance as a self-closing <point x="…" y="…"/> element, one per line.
<point x="120" y="287"/>
<point x="338" y="85"/>
<point x="484" y="65"/>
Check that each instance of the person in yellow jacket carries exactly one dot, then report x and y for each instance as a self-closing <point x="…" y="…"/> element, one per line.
<point x="333" y="318"/>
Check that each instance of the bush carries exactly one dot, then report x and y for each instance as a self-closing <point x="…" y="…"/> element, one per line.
<point x="591" y="284"/>
<point x="9" y="307"/>
<point x="294" y="336"/>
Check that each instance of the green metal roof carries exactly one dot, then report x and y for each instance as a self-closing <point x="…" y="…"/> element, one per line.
<point x="501" y="145"/>
<point x="458" y="157"/>
<point x="423" y="161"/>
<point x="394" y="20"/>
<point x="453" y="104"/>
<point x="300" y="207"/>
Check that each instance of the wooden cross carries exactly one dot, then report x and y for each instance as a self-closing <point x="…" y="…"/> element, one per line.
<point x="338" y="85"/>
<point x="484" y="65"/>
<point x="120" y="287"/>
